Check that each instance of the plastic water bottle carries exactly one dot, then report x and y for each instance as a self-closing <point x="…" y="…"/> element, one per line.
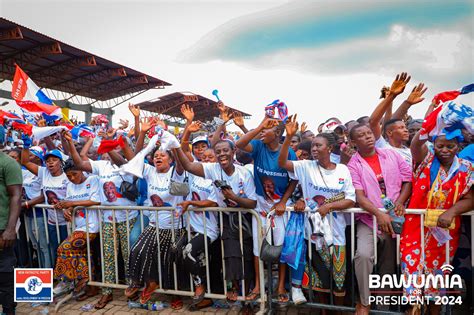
<point x="156" y="306"/>
<point x="397" y="222"/>
<point x="178" y="211"/>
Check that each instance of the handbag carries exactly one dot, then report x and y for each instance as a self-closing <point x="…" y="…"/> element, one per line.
<point x="270" y="253"/>
<point x="177" y="188"/>
<point x="175" y="251"/>
<point x="432" y="215"/>
<point x="129" y="190"/>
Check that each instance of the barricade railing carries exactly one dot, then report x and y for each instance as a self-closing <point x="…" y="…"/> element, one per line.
<point x="34" y="225"/>
<point x="175" y="291"/>
<point x="352" y="212"/>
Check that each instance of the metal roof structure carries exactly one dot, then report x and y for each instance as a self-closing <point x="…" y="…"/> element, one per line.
<point x="69" y="73"/>
<point x="169" y="106"/>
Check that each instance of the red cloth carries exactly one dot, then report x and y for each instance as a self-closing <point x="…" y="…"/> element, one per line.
<point x="410" y="240"/>
<point x="374" y="164"/>
<point x="445" y="96"/>
<point x="26" y="129"/>
<point x="108" y="145"/>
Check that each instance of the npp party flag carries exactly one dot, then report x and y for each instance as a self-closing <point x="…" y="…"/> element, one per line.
<point x="31" y="99"/>
<point x="37" y="133"/>
<point x="451" y="95"/>
<point x="82" y="130"/>
<point x="446" y="119"/>
<point x="277" y="105"/>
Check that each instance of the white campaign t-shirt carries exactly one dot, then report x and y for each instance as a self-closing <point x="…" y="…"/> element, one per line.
<point x="54" y="190"/>
<point x="158" y="195"/>
<point x="315" y="190"/>
<point x="202" y="189"/>
<point x="404" y="151"/>
<point x="241" y="182"/>
<point x="109" y="187"/>
<point x="88" y="190"/>
<point x="31" y="184"/>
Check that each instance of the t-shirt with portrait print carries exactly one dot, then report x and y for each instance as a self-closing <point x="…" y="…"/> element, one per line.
<point x="158" y="195"/>
<point x="109" y="187"/>
<point x="88" y="190"/>
<point x="317" y="188"/>
<point x="202" y="189"/>
<point x="54" y="190"/>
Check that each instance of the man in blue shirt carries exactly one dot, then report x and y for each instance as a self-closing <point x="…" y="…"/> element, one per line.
<point x="273" y="188"/>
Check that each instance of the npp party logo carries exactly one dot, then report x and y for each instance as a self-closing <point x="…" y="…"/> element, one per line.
<point x="33" y="285"/>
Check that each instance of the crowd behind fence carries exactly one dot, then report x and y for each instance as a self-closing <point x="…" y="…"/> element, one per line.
<point x="33" y="225"/>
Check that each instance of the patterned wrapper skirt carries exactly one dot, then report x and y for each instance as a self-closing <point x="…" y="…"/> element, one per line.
<point x="143" y="259"/>
<point x="320" y="277"/>
<point x="71" y="263"/>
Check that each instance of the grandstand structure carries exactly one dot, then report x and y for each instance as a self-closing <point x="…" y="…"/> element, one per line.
<point x="71" y="77"/>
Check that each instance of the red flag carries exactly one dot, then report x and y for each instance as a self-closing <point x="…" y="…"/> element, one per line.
<point x="108" y="145"/>
<point x="26" y="129"/>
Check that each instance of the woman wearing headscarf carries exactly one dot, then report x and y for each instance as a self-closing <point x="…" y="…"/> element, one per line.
<point x="442" y="181"/>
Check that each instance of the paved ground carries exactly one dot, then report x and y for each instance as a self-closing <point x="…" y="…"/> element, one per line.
<point x="119" y="307"/>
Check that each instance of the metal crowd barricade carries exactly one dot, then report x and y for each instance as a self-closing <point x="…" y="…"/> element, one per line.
<point x="176" y="290"/>
<point x="264" y="297"/>
<point x="344" y="308"/>
<point x="34" y="228"/>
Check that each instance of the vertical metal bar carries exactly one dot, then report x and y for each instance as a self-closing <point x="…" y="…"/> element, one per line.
<point x="206" y="253"/>
<point x="89" y="265"/>
<point x="448" y="307"/>
<point x="115" y="247"/>
<point x="157" y="223"/>
<point x="397" y="253"/>
<point x="352" y="258"/>
<point x="128" y="234"/>
<point x="37" y="236"/>
<point x="173" y="236"/>
<point x="331" y="264"/>
<point x="57" y="229"/>
<point x="141" y="222"/>
<point x="241" y="239"/>
<point x="260" y="263"/>
<point x="310" y="267"/>
<point x="374" y="232"/>
<point x="188" y="230"/>
<point x="101" y="245"/>
<point x="223" y="255"/>
<point x="45" y="221"/>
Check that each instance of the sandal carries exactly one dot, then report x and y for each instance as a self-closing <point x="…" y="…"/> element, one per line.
<point x="90" y="292"/>
<point x="283" y="298"/>
<point x="104" y="300"/>
<point x="177" y="304"/>
<point x="147" y="293"/>
<point x="131" y="291"/>
<point x="252" y="296"/>
<point x="232" y="295"/>
<point x="198" y="298"/>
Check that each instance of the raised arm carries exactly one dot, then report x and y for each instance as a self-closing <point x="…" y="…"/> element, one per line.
<point x="135" y="110"/>
<point x="78" y="161"/>
<point x="195" y="168"/>
<point x="418" y="149"/>
<point x="244" y="142"/>
<point x="291" y="129"/>
<point x="85" y="149"/>
<point x="398" y="86"/>
<point x="146" y="125"/>
<point x="225" y="116"/>
<point x="25" y="161"/>
<point x="415" y="97"/>
<point x="239" y="122"/>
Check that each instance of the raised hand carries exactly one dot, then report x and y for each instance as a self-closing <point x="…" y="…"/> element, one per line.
<point x="101" y="133"/>
<point x="195" y="126"/>
<point x="238" y="119"/>
<point x="158" y="122"/>
<point x="220" y="106"/>
<point x="416" y="94"/>
<point x="291" y="126"/>
<point x="401" y="81"/>
<point x="66" y="135"/>
<point x="226" y="116"/>
<point x="123" y="124"/>
<point x="303" y="127"/>
<point x="146" y="124"/>
<point x="111" y="132"/>
<point x="187" y="112"/>
<point x="134" y="109"/>
<point x="40" y="121"/>
<point x="269" y="123"/>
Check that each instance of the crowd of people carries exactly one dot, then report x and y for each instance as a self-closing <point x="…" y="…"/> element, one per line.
<point x="277" y="166"/>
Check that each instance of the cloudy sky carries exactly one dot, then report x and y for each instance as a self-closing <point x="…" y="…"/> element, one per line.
<point x="323" y="58"/>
